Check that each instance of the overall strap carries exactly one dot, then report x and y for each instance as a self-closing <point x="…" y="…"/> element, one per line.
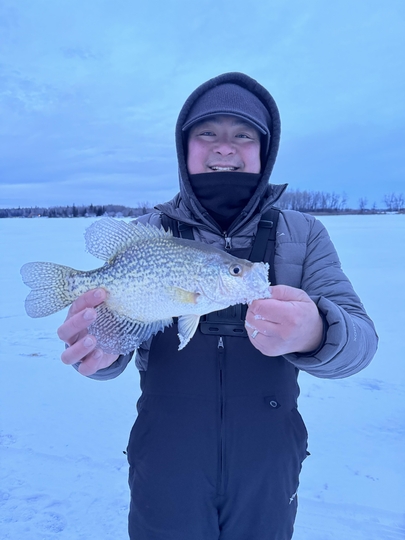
<point x="178" y="228"/>
<point x="169" y="223"/>
<point x="186" y="231"/>
<point x="265" y="242"/>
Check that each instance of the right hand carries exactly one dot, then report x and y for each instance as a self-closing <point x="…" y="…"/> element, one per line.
<point x="74" y="332"/>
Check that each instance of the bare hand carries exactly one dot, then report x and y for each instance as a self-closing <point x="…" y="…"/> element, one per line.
<point x="287" y="322"/>
<point x="74" y="332"/>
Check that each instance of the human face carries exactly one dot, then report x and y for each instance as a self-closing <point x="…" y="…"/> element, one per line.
<point x="223" y="143"/>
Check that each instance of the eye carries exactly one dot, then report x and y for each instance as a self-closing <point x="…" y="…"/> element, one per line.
<point x="235" y="270"/>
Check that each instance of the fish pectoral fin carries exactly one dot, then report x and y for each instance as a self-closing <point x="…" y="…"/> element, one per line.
<point x="187" y="326"/>
<point x="185" y="297"/>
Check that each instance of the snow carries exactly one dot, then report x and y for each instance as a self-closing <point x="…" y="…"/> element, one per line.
<point x="63" y="473"/>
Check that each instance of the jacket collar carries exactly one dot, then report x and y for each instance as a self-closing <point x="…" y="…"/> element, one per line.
<point x="177" y="209"/>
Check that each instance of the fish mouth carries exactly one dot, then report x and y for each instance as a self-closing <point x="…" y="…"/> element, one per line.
<point x="258" y="281"/>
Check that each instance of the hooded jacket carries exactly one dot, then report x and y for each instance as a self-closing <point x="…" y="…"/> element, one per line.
<point x="305" y="257"/>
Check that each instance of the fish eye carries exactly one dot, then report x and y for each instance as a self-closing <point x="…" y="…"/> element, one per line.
<point x="235" y="270"/>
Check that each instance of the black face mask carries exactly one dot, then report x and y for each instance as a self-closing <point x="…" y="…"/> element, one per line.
<point x="224" y="194"/>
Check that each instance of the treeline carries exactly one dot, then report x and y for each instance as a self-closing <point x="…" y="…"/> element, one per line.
<point x="114" y="210"/>
<point x="303" y="201"/>
<point x="312" y="201"/>
<point x="324" y="202"/>
<point x="395" y="202"/>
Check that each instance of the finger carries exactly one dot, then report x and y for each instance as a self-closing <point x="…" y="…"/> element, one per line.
<point x="96" y="361"/>
<point x="266" y="345"/>
<point x="90" y="299"/>
<point x="70" y="330"/>
<point x="91" y="364"/>
<point x="285" y="293"/>
<point x="79" y="351"/>
<point x="267" y="310"/>
<point x="265" y="328"/>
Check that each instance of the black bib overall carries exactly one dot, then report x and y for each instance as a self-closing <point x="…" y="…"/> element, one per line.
<point x="217" y="447"/>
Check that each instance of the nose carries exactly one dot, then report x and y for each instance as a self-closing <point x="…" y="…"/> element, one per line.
<point x="224" y="146"/>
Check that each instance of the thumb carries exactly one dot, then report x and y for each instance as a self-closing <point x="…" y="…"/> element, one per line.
<point x="285" y="293"/>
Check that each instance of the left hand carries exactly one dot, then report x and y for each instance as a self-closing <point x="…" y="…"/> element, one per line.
<point x="82" y="346"/>
<point x="288" y="322"/>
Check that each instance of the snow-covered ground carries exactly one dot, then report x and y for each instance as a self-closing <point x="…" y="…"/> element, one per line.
<point x="63" y="472"/>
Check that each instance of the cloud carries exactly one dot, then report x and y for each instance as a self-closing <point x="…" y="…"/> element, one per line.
<point x="78" y="52"/>
<point x="90" y="91"/>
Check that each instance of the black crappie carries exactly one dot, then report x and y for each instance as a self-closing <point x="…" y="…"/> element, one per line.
<point x="150" y="277"/>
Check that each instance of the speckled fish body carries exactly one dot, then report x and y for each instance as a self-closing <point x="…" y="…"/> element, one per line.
<point x="150" y="277"/>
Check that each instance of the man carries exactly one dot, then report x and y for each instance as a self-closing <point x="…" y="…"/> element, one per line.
<point x="217" y="447"/>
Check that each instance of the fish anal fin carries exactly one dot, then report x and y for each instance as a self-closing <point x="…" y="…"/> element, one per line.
<point x="187" y="326"/>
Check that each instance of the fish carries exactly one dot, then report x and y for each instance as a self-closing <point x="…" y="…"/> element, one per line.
<point x="150" y="277"/>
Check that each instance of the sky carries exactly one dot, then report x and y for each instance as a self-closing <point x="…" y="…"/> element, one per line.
<point x="90" y="91"/>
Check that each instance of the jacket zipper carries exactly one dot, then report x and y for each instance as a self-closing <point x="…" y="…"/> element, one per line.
<point x="221" y="350"/>
<point x="228" y="241"/>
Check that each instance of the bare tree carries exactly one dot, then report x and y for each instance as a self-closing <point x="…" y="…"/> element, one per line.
<point x="400" y="201"/>
<point x="362" y="204"/>
<point x="394" y="202"/>
<point x="389" y="201"/>
<point x="312" y="201"/>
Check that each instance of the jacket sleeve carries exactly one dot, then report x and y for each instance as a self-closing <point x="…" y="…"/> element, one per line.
<point x="111" y="372"/>
<point x="350" y="339"/>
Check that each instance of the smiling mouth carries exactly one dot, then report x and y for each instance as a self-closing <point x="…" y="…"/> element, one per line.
<point x="220" y="169"/>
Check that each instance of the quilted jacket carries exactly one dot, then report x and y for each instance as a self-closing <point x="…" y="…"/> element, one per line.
<point x="304" y="258"/>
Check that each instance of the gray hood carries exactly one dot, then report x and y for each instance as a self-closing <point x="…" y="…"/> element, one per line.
<point x="186" y="206"/>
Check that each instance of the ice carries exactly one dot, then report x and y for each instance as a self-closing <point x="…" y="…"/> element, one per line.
<point x="63" y="472"/>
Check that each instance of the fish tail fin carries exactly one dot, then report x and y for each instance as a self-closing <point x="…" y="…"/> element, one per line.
<point x="50" y="288"/>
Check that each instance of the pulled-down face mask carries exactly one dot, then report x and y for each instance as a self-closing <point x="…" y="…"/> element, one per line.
<point x="224" y="194"/>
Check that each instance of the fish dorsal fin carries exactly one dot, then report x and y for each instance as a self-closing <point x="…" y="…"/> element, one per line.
<point x="107" y="237"/>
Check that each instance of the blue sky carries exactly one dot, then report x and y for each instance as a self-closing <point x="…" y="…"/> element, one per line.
<point x="90" y="92"/>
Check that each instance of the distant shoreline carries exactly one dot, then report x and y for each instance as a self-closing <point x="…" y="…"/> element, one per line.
<point x="316" y="203"/>
<point x="315" y="214"/>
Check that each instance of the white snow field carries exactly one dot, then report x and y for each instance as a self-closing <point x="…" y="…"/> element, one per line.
<point x="63" y="473"/>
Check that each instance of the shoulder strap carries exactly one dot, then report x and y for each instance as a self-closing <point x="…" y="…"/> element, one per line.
<point x="186" y="231"/>
<point x="169" y="223"/>
<point x="265" y="242"/>
<point x="178" y="228"/>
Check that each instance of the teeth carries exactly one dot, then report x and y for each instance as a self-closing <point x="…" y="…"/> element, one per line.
<point x="223" y="168"/>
